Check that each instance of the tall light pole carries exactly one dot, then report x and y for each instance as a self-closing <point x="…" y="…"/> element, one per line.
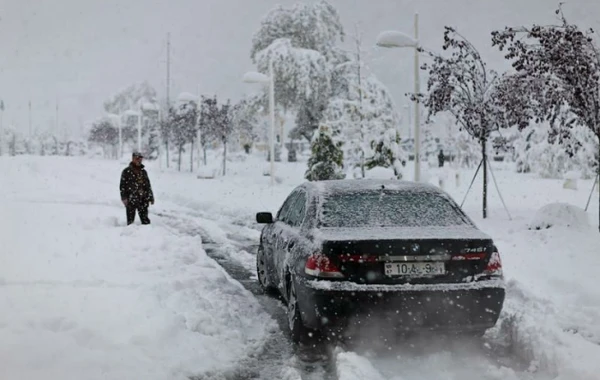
<point x="30" y="119"/>
<point x="395" y="39"/>
<point x="1" y="125"/>
<point x="139" y="130"/>
<point x="255" y="77"/>
<point x="119" y="122"/>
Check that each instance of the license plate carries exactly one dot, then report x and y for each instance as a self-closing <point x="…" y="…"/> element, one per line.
<point x="415" y="269"/>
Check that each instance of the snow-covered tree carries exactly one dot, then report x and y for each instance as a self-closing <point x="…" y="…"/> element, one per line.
<point x="327" y="158"/>
<point x="385" y="152"/>
<point x="106" y="135"/>
<point x="561" y="66"/>
<point x="481" y="100"/>
<point x="129" y="98"/>
<point x="361" y="113"/>
<point x="525" y="141"/>
<point x="209" y="112"/>
<point x="246" y="123"/>
<point x="183" y="120"/>
<point x="301" y="75"/>
<point x="301" y="43"/>
<point x="151" y="129"/>
<point x="310" y="26"/>
<point x="223" y="127"/>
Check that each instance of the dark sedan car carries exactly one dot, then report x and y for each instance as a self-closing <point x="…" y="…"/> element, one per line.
<point x="400" y="252"/>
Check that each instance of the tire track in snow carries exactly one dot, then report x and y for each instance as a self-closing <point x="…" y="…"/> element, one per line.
<point x="486" y="359"/>
<point x="279" y="358"/>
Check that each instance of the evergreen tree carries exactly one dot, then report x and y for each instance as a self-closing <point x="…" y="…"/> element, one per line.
<point x="327" y="157"/>
<point x="385" y="152"/>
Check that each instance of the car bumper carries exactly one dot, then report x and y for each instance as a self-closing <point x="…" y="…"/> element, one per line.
<point x="471" y="306"/>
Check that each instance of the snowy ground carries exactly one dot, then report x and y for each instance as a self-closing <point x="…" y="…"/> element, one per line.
<point x="85" y="297"/>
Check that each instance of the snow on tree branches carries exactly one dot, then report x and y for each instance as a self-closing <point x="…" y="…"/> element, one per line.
<point x="183" y="121"/>
<point x="326" y="160"/>
<point x="300" y="74"/>
<point x="480" y="99"/>
<point x="561" y="65"/>
<point x="311" y="26"/>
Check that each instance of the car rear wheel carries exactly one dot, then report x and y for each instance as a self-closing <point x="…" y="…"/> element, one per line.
<point x="299" y="332"/>
<point x="262" y="272"/>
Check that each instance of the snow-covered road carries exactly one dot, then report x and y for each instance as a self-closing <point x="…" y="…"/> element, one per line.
<point x="83" y="296"/>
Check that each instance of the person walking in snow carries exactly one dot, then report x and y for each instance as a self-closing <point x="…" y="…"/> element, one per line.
<point x="136" y="191"/>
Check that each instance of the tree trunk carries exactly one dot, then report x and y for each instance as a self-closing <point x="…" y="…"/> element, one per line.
<point x="224" y="157"/>
<point x="204" y="154"/>
<point x="192" y="157"/>
<point x="179" y="158"/>
<point x="484" y="152"/>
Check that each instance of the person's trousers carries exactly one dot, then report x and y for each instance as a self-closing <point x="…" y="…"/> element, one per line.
<point x="142" y="210"/>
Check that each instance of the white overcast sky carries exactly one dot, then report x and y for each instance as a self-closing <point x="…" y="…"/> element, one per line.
<point x="82" y="51"/>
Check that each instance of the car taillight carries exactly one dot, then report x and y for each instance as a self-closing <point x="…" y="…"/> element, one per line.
<point x="494" y="267"/>
<point x="318" y="265"/>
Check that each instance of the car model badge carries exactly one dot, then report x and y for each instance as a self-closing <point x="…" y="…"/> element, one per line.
<point x="414" y="247"/>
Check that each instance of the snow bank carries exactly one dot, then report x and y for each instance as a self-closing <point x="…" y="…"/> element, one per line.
<point x="351" y="366"/>
<point x="560" y="215"/>
<point x="84" y="296"/>
<point x="380" y="173"/>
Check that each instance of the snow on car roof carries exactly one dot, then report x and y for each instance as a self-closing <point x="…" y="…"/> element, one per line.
<point x="325" y="188"/>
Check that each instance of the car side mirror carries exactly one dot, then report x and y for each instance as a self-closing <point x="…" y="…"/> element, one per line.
<point x="264" y="218"/>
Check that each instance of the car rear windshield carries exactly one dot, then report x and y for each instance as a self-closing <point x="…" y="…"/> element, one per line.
<point x="389" y="209"/>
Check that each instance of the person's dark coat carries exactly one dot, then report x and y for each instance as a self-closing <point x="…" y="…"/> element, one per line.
<point x="441" y="158"/>
<point x="135" y="185"/>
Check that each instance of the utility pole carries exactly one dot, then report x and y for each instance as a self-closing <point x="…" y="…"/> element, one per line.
<point x="1" y="126"/>
<point x="56" y="120"/>
<point x="168" y="93"/>
<point x="30" y="119"/>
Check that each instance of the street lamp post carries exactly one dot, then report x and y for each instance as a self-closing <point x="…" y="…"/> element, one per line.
<point x="120" y="137"/>
<point x="394" y="39"/>
<point x="139" y="130"/>
<point x="255" y="77"/>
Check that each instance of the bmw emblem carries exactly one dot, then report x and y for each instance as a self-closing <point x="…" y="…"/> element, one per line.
<point x="414" y="247"/>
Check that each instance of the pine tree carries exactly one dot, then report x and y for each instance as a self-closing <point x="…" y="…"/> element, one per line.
<point x="385" y="152"/>
<point x="327" y="157"/>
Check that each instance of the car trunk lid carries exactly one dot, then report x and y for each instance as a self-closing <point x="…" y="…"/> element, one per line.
<point x="408" y="255"/>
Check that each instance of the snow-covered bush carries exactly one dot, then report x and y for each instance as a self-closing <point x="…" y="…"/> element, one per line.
<point x="327" y="158"/>
<point x="536" y="151"/>
<point x="559" y="215"/>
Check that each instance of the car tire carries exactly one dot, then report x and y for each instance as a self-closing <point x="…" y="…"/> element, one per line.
<point x="262" y="273"/>
<point x="298" y="331"/>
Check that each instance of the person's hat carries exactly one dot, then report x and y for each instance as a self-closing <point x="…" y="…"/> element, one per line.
<point x="136" y="155"/>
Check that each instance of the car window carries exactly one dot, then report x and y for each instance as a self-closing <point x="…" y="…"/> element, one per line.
<point x="297" y="210"/>
<point x="390" y="209"/>
<point x="284" y="212"/>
